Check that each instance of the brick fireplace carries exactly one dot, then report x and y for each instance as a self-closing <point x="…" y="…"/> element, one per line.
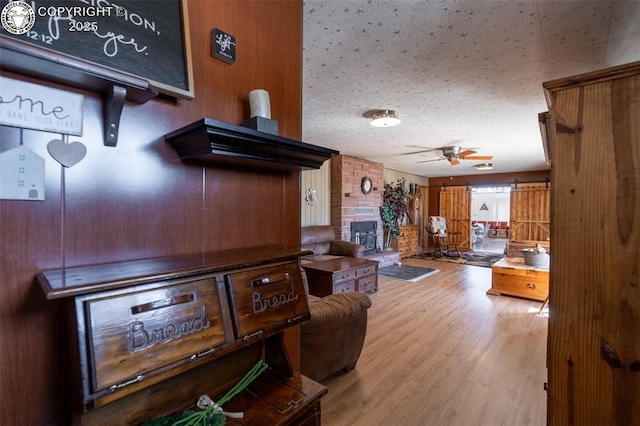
<point x="348" y="202"/>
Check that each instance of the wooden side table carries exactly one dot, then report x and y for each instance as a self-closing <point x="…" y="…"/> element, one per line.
<point x="512" y="277"/>
<point x="342" y="274"/>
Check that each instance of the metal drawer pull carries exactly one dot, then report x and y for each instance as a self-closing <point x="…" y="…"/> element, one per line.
<point x="531" y="285"/>
<point x="290" y="320"/>
<point x="203" y="353"/>
<point x="145" y="307"/>
<point x="252" y="335"/>
<point x="130" y="382"/>
<point x="270" y="280"/>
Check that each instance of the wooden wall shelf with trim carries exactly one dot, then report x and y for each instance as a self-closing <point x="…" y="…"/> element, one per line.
<point x="212" y="141"/>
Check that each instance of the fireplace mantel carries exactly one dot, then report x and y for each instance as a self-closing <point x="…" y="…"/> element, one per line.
<point x="212" y="141"/>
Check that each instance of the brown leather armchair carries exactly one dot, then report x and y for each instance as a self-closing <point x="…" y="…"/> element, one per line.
<point x="321" y="240"/>
<point x="331" y="340"/>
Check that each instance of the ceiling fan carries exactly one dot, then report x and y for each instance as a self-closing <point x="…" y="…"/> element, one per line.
<point x="455" y="153"/>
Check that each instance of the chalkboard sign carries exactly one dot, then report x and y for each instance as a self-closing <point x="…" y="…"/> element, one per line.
<point x="148" y="39"/>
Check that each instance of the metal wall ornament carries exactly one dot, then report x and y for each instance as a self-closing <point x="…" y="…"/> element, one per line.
<point x="310" y="197"/>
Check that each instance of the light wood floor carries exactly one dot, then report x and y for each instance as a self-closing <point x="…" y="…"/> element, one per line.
<point x="442" y="352"/>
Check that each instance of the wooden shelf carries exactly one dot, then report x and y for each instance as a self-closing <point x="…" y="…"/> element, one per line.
<point x="216" y="142"/>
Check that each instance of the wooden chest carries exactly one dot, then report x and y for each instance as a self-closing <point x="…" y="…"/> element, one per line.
<point x="407" y="242"/>
<point x="513" y="278"/>
<point x="154" y="334"/>
<point x="342" y="274"/>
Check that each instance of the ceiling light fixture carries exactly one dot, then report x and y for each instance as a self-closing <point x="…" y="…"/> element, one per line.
<point x="385" y="118"/>
<point x="484" y="166"/>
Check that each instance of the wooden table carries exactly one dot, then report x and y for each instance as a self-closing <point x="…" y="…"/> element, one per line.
<point x="512" y="277"/>
<point x="341" y="274"/>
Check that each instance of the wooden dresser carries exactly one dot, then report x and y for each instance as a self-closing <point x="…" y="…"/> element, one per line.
<point x="342" y="274"/>
<point x="512" y="277"/>
<point x="150" y="336"/>
<point x="407" y="242"/>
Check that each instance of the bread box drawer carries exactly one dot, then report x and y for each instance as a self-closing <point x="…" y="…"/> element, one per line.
<point x="267" y="297"/>
<point x="133" y="334"/>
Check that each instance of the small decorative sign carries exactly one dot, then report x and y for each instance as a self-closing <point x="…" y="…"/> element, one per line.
<point x="21" y="174"/>
<point x="30" y="106"/>
<point x="223" y="46"/>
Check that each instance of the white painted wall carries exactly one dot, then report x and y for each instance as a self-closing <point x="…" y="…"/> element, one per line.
<point x="497" y="206"/>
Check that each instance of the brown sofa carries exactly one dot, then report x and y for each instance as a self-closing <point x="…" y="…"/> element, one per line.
<point x="321" y="240"/>
<point x="331" y="340"/>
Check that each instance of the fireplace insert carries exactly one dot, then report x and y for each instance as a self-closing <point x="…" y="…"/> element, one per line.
<point x="365" y="233"/>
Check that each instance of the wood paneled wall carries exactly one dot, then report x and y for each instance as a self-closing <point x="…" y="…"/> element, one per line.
<point x="138" y="200"/>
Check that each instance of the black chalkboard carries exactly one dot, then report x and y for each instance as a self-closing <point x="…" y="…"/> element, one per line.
<point x="146" y="38"/>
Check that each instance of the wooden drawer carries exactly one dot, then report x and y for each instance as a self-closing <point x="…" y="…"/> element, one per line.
<point x="366" y="270"/>
<point x="133" y="334"/>
<point x="344" y="286"/>
<point x="525" y="283"/>
<point x="369" y="283"/>
<point x="264" y="298"/>
<point x="345" y="275"/>
<point x="403" y="244"/>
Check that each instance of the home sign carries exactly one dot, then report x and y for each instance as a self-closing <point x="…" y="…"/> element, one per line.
<point x="30" y="106"/>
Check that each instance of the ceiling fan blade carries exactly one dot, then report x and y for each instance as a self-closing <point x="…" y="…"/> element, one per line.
<point x="417" y="152"/>
<point x="466" y="152"/>
<point x="423" y="149"/>
<point x="479" y="157"/>
<point x="429" y="161"/>
<point x="455" y="162"/>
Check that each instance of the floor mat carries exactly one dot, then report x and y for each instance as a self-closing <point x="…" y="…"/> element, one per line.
<point x="406" y="272"/>
<point x="466" y="258"/>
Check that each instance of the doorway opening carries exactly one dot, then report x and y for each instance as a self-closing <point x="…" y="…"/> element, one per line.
<point x="490" y="210"/>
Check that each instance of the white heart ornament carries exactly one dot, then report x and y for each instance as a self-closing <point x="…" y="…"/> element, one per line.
<point x="67" y="154"/>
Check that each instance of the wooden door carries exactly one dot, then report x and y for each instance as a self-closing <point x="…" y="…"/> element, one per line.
<point x="455" y="207"/>
<point x="530" y="212"/>
<point x="593" y="351"/>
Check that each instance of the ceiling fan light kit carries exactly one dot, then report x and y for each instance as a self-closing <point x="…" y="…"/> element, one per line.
<point x="385" y="118"/>
<point x="484" y="166"/>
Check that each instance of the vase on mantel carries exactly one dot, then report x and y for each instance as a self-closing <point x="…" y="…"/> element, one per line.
<point x="260" y="112"/>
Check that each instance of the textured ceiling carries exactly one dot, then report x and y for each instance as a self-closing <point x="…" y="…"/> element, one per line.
<point x="465" y="73"/>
